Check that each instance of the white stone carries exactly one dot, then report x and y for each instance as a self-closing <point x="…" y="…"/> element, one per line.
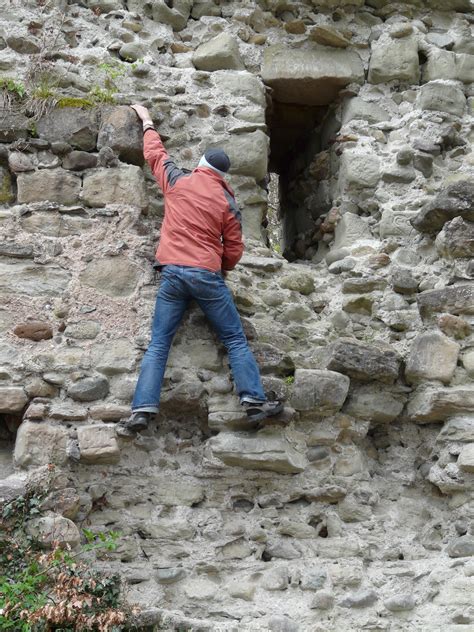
<point x="466" y="458"/>
<point x="98" y="444"/>
<point x="267" y="450"/>
<point x="360" y="168"/>
<point x="468" y="362"/>
<point x="442" y="96"/>
<point x="394" y="59"/>
<point x="12" y="399"/>
<point x="219" y="53"/>
<point x="40" y="444"/>
<point x="433" y="356"/>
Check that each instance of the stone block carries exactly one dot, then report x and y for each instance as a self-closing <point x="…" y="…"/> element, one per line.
<point x="16" y="251"/>
<point x="322" y="600"/>
<point x="219" y="53"/>
<point x="54" y="529"/>
<point x="456" y="592"/>
<point x="268" y="449"/>
<point x="374" y="403"/>
<point x="184" y="399"/>
<point x="62" y="359"/>
<point x="461" y="547"/>
<point x="175" y="16"/>
<point x="442" y="96"/>
<point x="310" y="77"/>
<point x="433" y="356"/>
<point x="396" y="223"/>
<point x="89" y="389"/>
<point x="234" y="85"/>
<point x="302" y="282"/>
<point x="319" y="392"/>
<point x="79" y="160"/>
<point x="400" y="603"/>
<point x="459" y="428"/>
<point x="54" y="185"/>
<point x="443" y="64"/>
<point x="439" y="404"/>
<point x="33" y="279"/>
<point x="98" y="444"/>
<point x="11" y="487"/>
<point x="359" y="109"/>
<point x="6" y="191"/>
<point x="83" y="330"/>
<point x="120" y="185"/>
<point x="121" y="130"/>
<point x="75" y="126"/>
<point x="248" y="153"/>
<point x="174" y="492"/>
<point x="13" y="399"/>
<point x="39" y="444"/>
<point x="456" y="200"/>
<point x="350" y="229"/>
<point x="196" y="352"/>
<point x="13" y="124"/>
<point x="359" y="599"/>
<point x="112" y="276"/>
<point x="466" y="459"/>
<point x="34" y="330"/>
<point x="456" y="239"/>
<point x="272" y="360"/>
<point x="468" y="362"/>
<point x="114" y="357"/>
<point x="328" y="36"/>
<point x="394" y="60"/>
<point x="54" y="224"/>
<point x="360" y="168"/>
<point x="362" y="362"/>
<point x="454" y="299"/>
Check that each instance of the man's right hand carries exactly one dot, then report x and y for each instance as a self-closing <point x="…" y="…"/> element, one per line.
<point x="142" y="113"/>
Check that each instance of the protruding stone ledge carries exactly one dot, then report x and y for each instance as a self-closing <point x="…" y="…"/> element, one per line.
<point x="457" y="200"/>
<point x="454" y="299"/>
<point x="268" y="449"/>
<point x="319" y="392"/>
<point x="438" y="404"/>
<point x="362" y="362"/>
<point x="310" y="77"/>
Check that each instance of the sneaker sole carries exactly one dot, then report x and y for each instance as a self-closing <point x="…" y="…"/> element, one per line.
<point x="266" y="415"/>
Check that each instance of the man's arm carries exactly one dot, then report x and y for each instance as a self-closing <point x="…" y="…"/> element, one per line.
<point x="232" y="235"/>
<point x="162" y="167"/>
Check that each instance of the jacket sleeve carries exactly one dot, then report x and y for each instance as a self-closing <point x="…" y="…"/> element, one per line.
<point x="161" y="165"/>
<point x="232" y="234"/>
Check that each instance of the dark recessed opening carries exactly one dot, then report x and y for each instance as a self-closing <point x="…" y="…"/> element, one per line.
<point x="8" y="427"/>
<point x="299" y="135"/>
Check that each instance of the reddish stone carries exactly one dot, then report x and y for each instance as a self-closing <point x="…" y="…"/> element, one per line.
<point x="34" y="330"/>
<point x="454" y="326"/>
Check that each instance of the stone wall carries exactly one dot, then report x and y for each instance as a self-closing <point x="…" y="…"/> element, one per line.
<point x="353" y="511"/>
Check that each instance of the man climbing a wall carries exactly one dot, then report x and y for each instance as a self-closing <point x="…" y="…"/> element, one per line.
<point x="201" y="240"/>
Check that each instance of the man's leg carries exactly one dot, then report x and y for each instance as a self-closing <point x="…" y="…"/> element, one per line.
<point x="171" y="303"/>
<point x="214" y="298"/>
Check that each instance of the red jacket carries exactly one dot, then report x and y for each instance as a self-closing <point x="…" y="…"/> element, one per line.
<point x="202" y="225"/>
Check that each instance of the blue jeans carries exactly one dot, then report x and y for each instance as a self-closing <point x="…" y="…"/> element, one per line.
<point x="180" y="284"/>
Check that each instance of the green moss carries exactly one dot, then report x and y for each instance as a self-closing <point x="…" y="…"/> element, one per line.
<point x="6" y="193"/>
<point x="75" y="102"/>
<point x="16" y="88"/>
